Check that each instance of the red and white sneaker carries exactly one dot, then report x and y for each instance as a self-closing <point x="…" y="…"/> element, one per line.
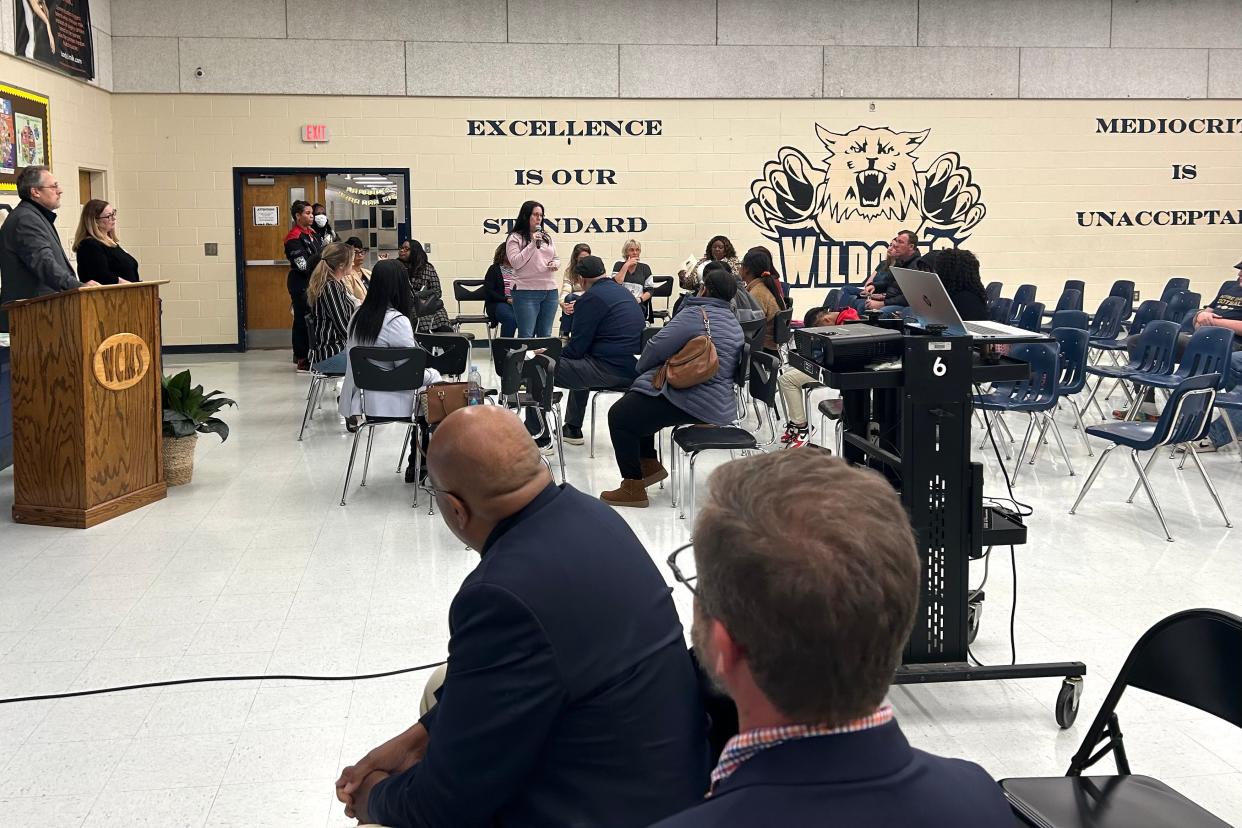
<point x="795" y="436"/>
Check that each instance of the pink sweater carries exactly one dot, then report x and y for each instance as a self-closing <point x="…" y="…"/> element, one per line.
<point x="530" y="264"/>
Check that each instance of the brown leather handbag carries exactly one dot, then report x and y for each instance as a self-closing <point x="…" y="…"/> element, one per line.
<point x="443" y="398"/>
<point x="695" y="363"/>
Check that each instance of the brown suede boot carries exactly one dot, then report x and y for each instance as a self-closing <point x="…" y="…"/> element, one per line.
<point x="631" y="493"/>
<point x="653" y="471"/>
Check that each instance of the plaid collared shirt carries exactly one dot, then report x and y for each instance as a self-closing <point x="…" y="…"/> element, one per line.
<point x="745" y="745"/>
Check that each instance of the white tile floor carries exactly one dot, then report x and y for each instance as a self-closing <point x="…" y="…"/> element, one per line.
<point x="255" y="569"/>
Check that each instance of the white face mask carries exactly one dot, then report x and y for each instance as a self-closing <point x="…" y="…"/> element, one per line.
<point x="321" y="220"/>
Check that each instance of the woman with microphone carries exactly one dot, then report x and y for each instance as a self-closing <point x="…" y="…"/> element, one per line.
<point x="533" y="257"/>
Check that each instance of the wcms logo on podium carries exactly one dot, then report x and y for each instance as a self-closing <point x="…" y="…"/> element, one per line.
<point x="121" y="361"/>
<point x="833" y="223"/>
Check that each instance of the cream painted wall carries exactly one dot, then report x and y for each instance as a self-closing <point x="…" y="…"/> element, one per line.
<point x="1036" y="163"/>
<point x="81" y="131"/>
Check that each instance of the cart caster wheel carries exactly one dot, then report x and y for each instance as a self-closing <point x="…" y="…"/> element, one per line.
<point x="1067" y="702"/>
<point x="974" y="611"/>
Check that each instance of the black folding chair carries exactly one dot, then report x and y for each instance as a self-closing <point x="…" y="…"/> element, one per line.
<point x="447" y="353"/>
<point x="509" y="360"/>
<point x="470" y="290"/>
<point x="384" y="369"/>
<point x="661" y="289"/>
<point x="1193" y="657"/>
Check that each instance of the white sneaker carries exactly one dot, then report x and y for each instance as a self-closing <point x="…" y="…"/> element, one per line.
<point x="547" y="449"/>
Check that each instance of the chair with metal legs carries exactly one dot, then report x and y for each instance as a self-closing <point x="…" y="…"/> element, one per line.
<point x="383" y="369"/>
<point x="509" y="360"/>
<point x="647" y="333"/>
<point x="447" y="353"/>
<point x="1226" y="402"/>
<point x="1154" y="354"/>
<point x="693" y="440"/>
<point x="313" y="393"/>
<point x="1072" y="364"/>
<point x="1036" y="396"/>
<point x="1184" y="420"/>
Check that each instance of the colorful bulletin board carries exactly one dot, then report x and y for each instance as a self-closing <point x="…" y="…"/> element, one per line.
<point x="25" y="137"/>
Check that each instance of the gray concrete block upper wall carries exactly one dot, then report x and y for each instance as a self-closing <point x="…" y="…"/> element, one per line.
<point x="1114" y="73"/>
<point x="263" y="66"/>
<point x="819" y="23"/>
<point x="1014" y="22"/>
<point x="1164" y="24"/>
<point x="1225" y="73"/>
<point x="685" y="49"/>
<point x="465" y="21"/>
<point x="498" y="70"/>
<point x="721" y="72"/>
<point x="910" y="72"/>
<point x="187" y="18"/>
<point x="633" y="21"/>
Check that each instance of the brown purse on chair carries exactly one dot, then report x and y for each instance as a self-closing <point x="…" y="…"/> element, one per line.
<point x="443" y="398"/>
<point x="695" y="363"/>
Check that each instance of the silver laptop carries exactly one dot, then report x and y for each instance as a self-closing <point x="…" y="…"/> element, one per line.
<point x="931" y="305"/>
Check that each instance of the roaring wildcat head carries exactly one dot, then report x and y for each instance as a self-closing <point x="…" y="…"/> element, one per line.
<point x="870" y="173"/>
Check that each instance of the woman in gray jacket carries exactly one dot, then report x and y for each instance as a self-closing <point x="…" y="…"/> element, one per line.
<point x="637" y="417"/>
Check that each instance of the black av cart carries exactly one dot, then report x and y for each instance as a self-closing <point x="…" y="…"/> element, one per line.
<point x="912" y="423"/>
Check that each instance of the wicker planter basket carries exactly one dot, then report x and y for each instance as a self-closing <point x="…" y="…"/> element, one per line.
<point x="179" y="459"/>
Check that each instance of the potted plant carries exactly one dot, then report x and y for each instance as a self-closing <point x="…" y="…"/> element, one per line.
<point x="188" y="411"/>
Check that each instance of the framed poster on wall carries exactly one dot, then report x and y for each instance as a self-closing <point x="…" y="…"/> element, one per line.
<point x="56" y="33"/>
<point x="24" y="133"/>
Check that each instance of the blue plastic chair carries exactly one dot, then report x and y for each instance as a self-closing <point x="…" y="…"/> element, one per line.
<point x="1032" y="317"/>
<point x="1182" y="303"/>
<point x="1036" y="396"/>
<point x="1106" y="324"/>
<point x="1183" y="421"/>
<point x="1024" y="296"/>
<point x="1207" y="352"/>
<point x="993" y="290"/>
<point x="1227" y="401"/>
<point x="1124" y="290"/>
<point x="998" y="310"/>
<point x="1073" y="345"/>
<point x="1155" y="356"/>
<point x="1173" y="287"/>
<point x="1075" y="284"/>
<point x="1070" y="299"/>
<point x="1069" y="319"/>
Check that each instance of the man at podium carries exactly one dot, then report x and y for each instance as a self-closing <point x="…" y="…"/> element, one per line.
<point x="32" y="260"/>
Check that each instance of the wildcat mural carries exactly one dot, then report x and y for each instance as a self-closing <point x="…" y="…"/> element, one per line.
<point x="833" y="223"/>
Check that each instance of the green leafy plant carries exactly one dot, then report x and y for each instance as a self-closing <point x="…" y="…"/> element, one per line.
<point x="188" y="410"/>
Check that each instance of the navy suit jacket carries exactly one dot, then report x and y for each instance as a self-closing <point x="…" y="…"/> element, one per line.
<point x="869" y="778"/>
<point x="570" y="698"/>
<point x="608" y="325"/>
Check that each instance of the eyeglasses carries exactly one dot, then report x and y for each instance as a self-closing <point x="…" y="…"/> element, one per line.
<point x="111" y="215"/>
<point x="682" y="578"/>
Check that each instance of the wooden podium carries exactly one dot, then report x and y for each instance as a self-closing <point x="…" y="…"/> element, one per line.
<point x="87" y="409"/>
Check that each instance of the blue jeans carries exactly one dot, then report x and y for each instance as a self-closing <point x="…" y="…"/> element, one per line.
<point x="332" y="365"/>
<point x="504" y="316"/>
<point x="567" y="321"/>
<point x="1218" y="433"/>
<point x="535" y="311"/>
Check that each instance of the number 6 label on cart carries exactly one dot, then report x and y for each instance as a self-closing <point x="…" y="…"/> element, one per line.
<point x="939" y="369"/>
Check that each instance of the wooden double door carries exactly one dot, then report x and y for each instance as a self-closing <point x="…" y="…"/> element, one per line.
<point x="268" y="310"/>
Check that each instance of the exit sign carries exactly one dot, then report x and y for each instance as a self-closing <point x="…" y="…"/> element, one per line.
<point x="315" y="133"/>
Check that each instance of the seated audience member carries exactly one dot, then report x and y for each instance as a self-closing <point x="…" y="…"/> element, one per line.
<point x="571" y="287"/>
<point x="383" y="321"/>
<point x="607" y="334"/>
<point x="719" y="249"/>
<point x="791" y="382"/>
<point x="630" y="270"/>
<point x="498" y="293"/>
<point x="745" y="307"/>
<point x="359" y="276"/>
<point x="758" y="276"/>
<point x="804" y="629"/>
<point x="644" y="410"/>
<point x="100" y="256"/>
<point x="570" y="697"/>
<point x="959" y="272"/>
<point x="1225" y="311"/>
<point x="885" y="294"/>
<point x="1219" y="435"/>
<point x="331" y="307"/>
<point x="428" y="296"/>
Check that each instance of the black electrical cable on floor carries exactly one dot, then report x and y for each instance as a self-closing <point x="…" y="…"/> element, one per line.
<point x="1023" y="509"/>
<point x="173" y="682"/>
<point x="1013" y="615"/>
